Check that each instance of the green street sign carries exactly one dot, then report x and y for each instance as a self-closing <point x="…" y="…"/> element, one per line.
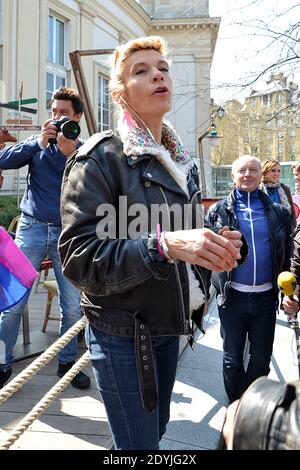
<point x="27" y="101"/>
<point x="16" y="107"/>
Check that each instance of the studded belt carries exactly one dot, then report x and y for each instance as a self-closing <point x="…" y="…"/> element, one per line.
<point x="145" y="366"/>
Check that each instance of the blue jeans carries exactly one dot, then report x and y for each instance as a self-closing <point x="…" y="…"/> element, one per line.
<point x="36" y="240"/>
<point x="244" y="313"/>
<point x="115" y="370"/>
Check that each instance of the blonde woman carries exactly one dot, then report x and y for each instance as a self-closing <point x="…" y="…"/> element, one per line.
<point x="143" y="280"/>
<point x="277" y="191"/>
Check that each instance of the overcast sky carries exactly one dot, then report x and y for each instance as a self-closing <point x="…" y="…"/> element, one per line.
<point x="245" y="47"/>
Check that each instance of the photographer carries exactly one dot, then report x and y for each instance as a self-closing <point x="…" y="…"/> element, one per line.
<point x="40" y="225"/>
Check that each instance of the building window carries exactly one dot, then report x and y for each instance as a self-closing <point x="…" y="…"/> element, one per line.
<point x="245" y="136"/>
<point x="56" y="41"/>
<point x="52" y="83"/>
<point x="292" y="133"/>
<point x="279" y="148"/>
<point x="280" y="135"/>
<point x="1" y="21"/>
<point x="267" y="100"/>
<point x="103" y="104"/>
<point x="56" y="56"/>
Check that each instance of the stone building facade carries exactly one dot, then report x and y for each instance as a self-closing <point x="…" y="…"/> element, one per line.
<point x="36" y="37"/>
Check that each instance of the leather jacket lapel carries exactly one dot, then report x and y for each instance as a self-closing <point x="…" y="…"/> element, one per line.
<point x="156" y="173"/>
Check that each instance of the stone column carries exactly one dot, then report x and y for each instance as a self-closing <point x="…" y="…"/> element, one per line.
<point x="203" y="112"/>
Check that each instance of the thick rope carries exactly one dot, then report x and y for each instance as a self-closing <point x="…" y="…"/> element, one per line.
<point x="40" y="362"/>
<point x="43" y="404"/>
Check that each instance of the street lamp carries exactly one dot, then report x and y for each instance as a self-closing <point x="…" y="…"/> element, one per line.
<point x="211" y="133"/>
<point x="220" y="112"/>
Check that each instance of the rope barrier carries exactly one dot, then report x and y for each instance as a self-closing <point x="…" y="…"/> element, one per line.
<point x="40" y="362"/>
<point x="43" y="404"/>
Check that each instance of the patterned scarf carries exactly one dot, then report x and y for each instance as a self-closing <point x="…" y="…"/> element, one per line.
<point x="171" y="153"/>
<point x="282" y="196"/>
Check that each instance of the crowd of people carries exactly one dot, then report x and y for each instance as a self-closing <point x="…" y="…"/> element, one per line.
<point x="144" y="284"/>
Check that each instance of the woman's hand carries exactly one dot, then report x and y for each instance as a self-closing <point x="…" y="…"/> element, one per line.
<point x="204" y="248"/>
<point x="290" y="305"/>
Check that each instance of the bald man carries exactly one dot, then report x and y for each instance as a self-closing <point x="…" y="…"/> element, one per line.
<point x="248" y="295"/>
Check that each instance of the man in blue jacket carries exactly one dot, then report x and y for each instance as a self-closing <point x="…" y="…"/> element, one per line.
<point x="40" y="225"/>
<point x="247" y="296"/>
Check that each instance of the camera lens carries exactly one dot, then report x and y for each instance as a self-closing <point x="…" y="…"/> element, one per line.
<point x="70" y="130"/>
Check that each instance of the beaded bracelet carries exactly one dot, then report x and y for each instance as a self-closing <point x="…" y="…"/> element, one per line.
<point x="159" y="247"/>
<point x="162" y="246"/>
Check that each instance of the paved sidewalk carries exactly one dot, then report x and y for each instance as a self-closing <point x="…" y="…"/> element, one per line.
<point x="199" y="400"/>
<point x="77" y="420"/>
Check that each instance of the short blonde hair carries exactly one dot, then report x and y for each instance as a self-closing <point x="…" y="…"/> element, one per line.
<point x="122" y="52"/>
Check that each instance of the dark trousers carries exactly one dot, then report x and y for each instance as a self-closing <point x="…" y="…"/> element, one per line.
<point x="244" y="313"/>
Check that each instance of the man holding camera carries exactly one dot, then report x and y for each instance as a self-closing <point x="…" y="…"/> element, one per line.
<point x="40" y="225"/>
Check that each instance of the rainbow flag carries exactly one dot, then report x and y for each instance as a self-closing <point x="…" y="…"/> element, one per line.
<point x="16" y="272"/>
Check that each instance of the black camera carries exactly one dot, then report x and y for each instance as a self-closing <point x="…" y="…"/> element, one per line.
<point x="67" y="126"/>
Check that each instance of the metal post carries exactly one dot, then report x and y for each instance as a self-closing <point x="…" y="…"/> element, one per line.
<point x="19" y="119"/>
<point x="297" y="330"/>
<point x="82" y="85"/>
<point x="83" y="91"/>
<point x="201" y="159"/>
<point x="201" y="168"/>
<point x="25" y="325"/>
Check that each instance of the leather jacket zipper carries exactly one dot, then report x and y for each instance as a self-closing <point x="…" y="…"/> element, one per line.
<point x="195" y="266"/>
<point x="191" y="205"/>
<point x="194" y="195"/>
<point x="185" y="322"/>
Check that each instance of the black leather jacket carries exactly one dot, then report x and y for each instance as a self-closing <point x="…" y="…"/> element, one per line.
<point x="268" y="417"/>
<point x="223" y="213"/>
<point x="125" y="286"/>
